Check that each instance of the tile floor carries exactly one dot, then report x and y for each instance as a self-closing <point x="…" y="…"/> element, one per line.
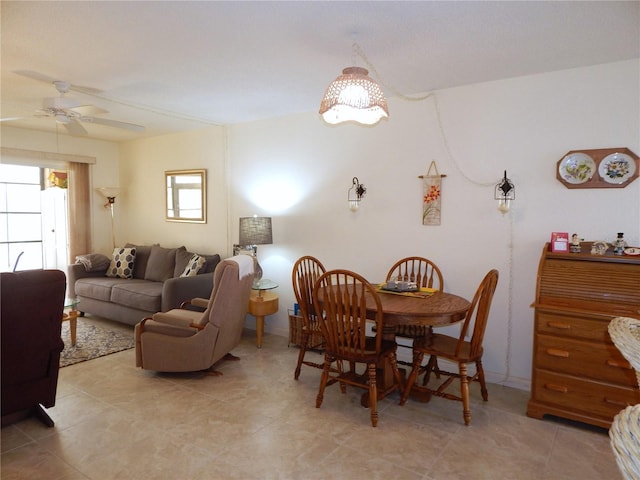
<point x="114" y="421"/>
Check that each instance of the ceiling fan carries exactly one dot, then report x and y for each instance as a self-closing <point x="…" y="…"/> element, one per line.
<point x="69" y="112"/>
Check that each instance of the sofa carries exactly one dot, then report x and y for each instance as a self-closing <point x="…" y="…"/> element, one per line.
<point x="139" y="280"/>
<point x="31" y="306"/>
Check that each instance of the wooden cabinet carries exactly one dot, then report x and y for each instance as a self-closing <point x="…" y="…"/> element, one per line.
<point x="578" y="373"/>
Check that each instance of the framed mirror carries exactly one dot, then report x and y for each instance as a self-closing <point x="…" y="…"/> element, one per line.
<point x="186" y="195"/>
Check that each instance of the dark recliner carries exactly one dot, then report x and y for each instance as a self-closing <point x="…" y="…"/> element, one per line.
<point x="32" y="304"/>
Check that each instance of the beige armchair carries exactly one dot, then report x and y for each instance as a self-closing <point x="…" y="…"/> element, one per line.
<point x="185" y="340"/>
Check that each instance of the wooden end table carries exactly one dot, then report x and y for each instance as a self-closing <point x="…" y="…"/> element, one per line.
<point x="261" y="304"/>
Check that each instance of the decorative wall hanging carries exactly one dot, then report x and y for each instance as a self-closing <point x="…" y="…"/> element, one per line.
<point x="599" y="168"/>
<point x="432" y="195"/>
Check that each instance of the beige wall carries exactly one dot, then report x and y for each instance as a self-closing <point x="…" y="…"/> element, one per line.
<point x="143" y="164"/>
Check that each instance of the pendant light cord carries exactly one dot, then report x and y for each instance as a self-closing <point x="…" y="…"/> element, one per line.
<point x="357" y="49"/>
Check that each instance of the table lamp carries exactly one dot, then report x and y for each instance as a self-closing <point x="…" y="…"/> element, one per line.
<point x="255" y="231"/>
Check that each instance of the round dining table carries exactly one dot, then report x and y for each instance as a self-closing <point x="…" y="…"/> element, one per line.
<point x="433" y="309"/>
<point x="436" y="309"/>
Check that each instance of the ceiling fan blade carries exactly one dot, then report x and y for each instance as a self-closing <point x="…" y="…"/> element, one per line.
<point x="87" y="110"/>
<point x="114" y="123"/>
<point x="8" y="119"/>
<point x="75" y="128"/>
<point x="44" y="78"/>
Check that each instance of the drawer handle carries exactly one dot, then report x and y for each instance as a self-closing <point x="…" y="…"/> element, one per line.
<point x="554" y="352"/>
<point x="619" y="364"/>
<point x="617" y="403"/>
<point x="556" y="388"/>
<point x="560" y="325"/>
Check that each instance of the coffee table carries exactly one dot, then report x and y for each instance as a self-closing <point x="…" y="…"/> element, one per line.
<point x="72" y="317"/>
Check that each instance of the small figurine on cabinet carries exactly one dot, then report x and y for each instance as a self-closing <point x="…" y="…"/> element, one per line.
<point x="575" y="244"/>
<point x="599" y="248"/>
<point x="619" y="245"/>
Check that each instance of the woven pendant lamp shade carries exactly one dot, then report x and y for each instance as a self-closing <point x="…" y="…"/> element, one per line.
<point x="354" y="96"/>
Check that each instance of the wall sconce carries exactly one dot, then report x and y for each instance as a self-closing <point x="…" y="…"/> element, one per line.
<point x="356" y="192"/>
<point x="504" y="193"/>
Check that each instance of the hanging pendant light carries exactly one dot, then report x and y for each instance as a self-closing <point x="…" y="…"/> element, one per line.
<point x="354" y="96"/>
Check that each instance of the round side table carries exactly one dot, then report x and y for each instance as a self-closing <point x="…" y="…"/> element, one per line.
<point x="262" y="302"/>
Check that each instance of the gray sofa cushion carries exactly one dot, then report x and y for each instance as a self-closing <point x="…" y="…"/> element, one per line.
<point x="140" y="294"/>
<point x="142" y="258"/>
<point x="162" y="263"/>
<point x="98" y="287"/>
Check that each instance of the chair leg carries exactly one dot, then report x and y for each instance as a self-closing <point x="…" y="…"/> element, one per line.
<point x="483" y="385"/>
<point x="343" y="386"/>
<point x="373" y="394"/>
<point x="323" y="380"/>
<point x="303" y="349"/>
<point x="393" y="360"/>
<point x="464" y="391"/>
<point x="432" y="366"/>
<point x="417" y="361"/>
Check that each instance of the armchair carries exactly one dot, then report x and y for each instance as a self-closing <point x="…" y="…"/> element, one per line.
<point x="32" y="303"/>
<point x="186" y="340"/>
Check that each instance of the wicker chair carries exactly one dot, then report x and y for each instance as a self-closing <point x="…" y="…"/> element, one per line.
<point x="425" y="274"/>
<point x="304" y="275"/>
<point x="625" y="428"/>
<point x="342" y="313"/>
<point x="625" y="334"/>
<point x="457" y="350"/>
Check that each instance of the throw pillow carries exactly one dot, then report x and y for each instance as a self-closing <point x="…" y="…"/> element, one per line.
<point x="161" y="264"/>
<point x="212" y="263"/>
<point x="183" y="257"/>
<point x="122" y="263"/>
<point x="194" y="265"/>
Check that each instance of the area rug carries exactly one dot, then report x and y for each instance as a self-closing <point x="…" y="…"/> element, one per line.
<point x="92" y="341"/>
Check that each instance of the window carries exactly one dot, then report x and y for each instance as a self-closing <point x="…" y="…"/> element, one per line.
<point x="20" y="217"/>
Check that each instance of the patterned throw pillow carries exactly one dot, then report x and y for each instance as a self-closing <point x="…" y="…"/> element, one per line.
<point x="194" y="265"/>
<point x="122" y="263"/>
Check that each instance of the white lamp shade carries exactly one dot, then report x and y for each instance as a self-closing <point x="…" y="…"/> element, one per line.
<point x="354" y="96"/>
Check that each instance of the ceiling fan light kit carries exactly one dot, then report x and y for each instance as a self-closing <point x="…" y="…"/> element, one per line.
<point x="70" y="112"/>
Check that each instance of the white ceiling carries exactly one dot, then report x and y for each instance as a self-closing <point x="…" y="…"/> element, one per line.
<point x="174" y="66"/>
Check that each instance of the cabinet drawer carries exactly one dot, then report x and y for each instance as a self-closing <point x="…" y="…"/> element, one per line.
<point x="573" y="326"/>
<point x="582" y="395"/>
<point x="598" y="361"/>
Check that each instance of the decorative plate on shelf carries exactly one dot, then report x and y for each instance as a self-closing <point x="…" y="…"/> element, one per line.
<point x="617" y="168"/>
<point x="632" y="251"/>
<point x="577" y="168"/>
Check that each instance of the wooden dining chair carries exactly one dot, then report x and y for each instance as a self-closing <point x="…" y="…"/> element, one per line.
<point x="305" y="272"/>
<point x="425" y="274"/>
<point x="457" y="350"/>
<point x="341" y="297"/>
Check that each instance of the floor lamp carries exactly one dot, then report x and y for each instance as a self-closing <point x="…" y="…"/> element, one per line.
<point x="110" y="193"/>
